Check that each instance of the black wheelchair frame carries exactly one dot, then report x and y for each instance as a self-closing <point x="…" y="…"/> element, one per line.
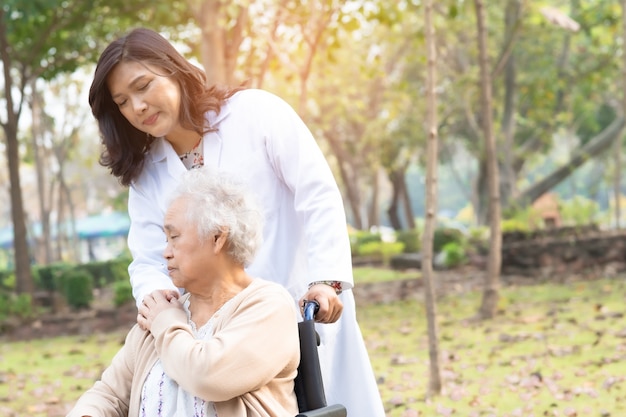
<point x="309" y="386"/>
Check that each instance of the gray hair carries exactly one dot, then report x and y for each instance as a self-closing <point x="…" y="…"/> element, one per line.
<point x="218" y="202"/>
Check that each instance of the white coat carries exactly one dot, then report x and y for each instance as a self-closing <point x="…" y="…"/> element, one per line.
<point x="261" y="139"/>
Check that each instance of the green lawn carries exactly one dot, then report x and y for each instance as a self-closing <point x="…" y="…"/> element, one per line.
<point x="554" y="350"/>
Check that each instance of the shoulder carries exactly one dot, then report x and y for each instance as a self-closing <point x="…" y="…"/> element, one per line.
<point x="256" y="97"/>
<point x="261" y="290"/>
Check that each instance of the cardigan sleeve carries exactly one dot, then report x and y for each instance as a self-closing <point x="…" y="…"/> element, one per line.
<point x="254" y="345"/>
<point x="110" y="396"/>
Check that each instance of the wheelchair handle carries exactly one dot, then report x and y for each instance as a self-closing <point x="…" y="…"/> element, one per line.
<point x="311" y="307"/>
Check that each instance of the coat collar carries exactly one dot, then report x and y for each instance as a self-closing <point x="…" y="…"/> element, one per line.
<point x="161" y="149"/>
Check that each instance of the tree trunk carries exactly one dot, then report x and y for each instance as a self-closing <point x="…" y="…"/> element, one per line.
<point x="492" y="279"/>
<point x="434" y="386"/>
<point x="219" y="47"/>
<point x="43" y="247"/>
<point x="392" y="210"/>
<point x="509" y="178"/>
<point x="407" y="208"/>
<point x="24" y="278"/>
<point x="349" y="181"/>
<point x="373" y="212"/>
<point x="618" y="151"/>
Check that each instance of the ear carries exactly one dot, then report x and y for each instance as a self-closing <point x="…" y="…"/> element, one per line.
<point x="220" y="240"/>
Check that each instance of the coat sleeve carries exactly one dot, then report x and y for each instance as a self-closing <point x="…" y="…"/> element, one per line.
<point x="146" y="242"/>
<point x="300" y="164"/>
<point x="248" y="349"/>
<point x="110" y="396"/>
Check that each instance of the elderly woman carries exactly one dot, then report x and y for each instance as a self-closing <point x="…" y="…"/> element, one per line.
<point x="229" y="345"/>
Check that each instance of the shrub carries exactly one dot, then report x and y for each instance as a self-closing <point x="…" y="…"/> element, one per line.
<point x="107" y="272"/>
<point x="579" y="211"/>
<point x="443" y="236"/>
<point x="122" y="292"/>
<point x="410" y="239"/>
<point x="78" y="288"/>
<point x="453" y="254"/>
<point x="19" y="305"/>
<point x="382" y="250"/>
<point x="7" y="280"/>
<point x="360" y="238"/>
<point x="49" y="277"/>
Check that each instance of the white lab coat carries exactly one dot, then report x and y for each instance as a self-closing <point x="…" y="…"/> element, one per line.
<point x="261" y="139"/>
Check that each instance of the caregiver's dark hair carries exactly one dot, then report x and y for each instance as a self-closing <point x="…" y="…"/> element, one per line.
<point x="125" y="146"/>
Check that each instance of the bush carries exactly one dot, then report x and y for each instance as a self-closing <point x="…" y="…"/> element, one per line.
<point x="444" y="235"/>
<point x="453" y="254"/>
<point x="7" y="280"/>
<point x="78" y="288"/>
<point x="382" y="250"/>
<point x="49" y="277"/>
<point x="410" y="239"/>
<point x="360" y="238"/>
<point x="579" y="211"/>
<point x="108" y="272"/>
<point x="122" y="293"/>
<point x="19" y="305"/>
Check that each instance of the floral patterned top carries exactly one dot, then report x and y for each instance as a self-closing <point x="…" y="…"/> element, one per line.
<point x="194" y="158"/>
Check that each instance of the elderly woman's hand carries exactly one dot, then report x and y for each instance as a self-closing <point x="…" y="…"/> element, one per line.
<point x="330" y="304"/>
<point x="153" y="304"/>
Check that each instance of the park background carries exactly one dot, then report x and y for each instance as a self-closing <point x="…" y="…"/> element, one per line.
<point x="357" y="73"/>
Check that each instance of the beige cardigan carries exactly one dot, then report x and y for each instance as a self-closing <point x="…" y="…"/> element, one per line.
<point x="247" y="368"/>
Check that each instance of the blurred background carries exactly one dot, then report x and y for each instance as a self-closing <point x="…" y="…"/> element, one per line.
<point x="355" y="71"/>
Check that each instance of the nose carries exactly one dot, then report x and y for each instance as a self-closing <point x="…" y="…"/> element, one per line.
<point x="167" y="252"/>
<point x="139" y="105"/>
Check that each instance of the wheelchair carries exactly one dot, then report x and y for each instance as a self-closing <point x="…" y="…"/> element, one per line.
<point x="309" y="386"/>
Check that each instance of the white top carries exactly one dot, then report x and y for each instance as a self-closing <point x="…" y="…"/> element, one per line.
<point x="260" y="138"/>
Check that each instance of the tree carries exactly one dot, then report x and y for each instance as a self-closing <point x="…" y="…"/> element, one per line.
<point x="40" y="40"/>
<point x="492" y="279"/>
<point x="431" y="202"/>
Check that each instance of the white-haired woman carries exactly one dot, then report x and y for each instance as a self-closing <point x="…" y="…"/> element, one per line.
<point x="229" y="345"/>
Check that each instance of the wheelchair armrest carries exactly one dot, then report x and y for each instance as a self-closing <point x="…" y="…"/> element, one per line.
<point x="335" y="410"/>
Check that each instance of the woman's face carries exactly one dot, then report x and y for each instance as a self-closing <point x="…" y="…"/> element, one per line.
<point x="189" y="259"/>
<point x="146" y="97"/>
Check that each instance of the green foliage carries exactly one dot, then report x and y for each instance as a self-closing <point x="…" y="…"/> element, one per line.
<point x="521" y="220"/>
<point x="359" y="238"/>
<point x="453" y="254"/>
<point x="410" y="239"/>
<point x="381" y="250"/>
<point x="514" y="225"/>
<point x="122" y="293"/>
<point x="444" y="235"/>
<point x="7" y="280"/>
<point x="78" y="288"/>
<point x="107" y="272"/>
<point x="15" y="305"/>
<point x="48" y="277"/>
<point x="579" y="211"/>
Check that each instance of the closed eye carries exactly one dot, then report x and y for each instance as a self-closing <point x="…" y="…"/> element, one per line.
<point x="143" y="87"/>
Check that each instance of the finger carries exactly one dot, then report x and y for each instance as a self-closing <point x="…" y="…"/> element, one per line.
<point x="324" y="311"/>
<point x="171" y="295"/>
<point x="141" y="321"/>
<point x="158" y="296"/>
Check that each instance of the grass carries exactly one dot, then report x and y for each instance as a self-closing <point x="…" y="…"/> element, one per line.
<point x="553" y="350"/>
<point x="372" y="274"/>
